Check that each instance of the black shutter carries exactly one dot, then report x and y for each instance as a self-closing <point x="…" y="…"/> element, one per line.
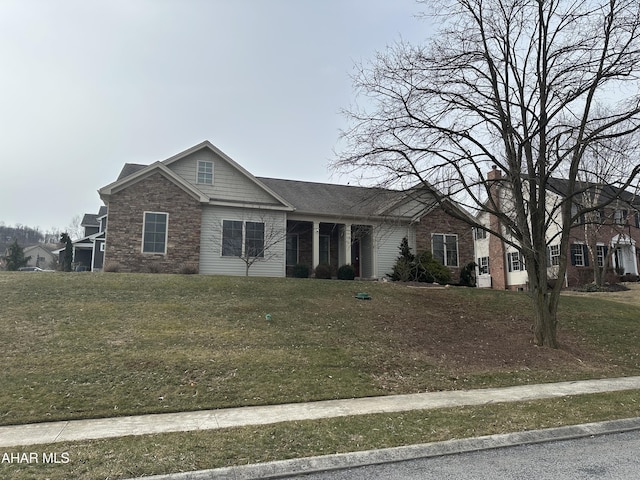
<point x="573" y="256"/>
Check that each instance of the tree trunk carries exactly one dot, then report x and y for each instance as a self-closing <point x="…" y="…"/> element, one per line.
<point x="544" y="299"/>
<point x="598" y="273"/>
<point x="545" y="319"/>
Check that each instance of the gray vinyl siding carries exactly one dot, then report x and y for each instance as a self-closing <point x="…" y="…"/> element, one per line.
<point x="211" y="259"/>
<point x="388" y="238"/>
<point x="228" y="182"/>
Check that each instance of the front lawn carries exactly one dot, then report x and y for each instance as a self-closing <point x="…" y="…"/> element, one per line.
<point x="85" y="345"/>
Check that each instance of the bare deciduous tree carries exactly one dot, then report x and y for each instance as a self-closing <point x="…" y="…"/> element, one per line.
<point x="597" y="202"/>
<point x="75" y="229"/>
<point x="257" y="237"/>
<point x="514" y="83"/>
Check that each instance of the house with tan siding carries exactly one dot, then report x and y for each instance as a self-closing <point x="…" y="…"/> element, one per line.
<point x="201" y="209"/>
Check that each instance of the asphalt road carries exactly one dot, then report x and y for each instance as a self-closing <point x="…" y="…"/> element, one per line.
<point x="614" y="456"/>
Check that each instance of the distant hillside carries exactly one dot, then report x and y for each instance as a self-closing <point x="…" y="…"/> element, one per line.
<point x="25" y="236"/>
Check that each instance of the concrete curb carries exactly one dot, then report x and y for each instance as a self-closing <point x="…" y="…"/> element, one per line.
<point x="300" y="466"/>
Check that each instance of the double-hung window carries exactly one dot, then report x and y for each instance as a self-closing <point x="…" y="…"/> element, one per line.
<point x="254" y="239"/>
<point x="154" y="232"/>
<point x="601" y="254"/>
<point x="242" y="239"/>
<point x="483" y="265"/>
<point x="480" y="234"/>
<point x="620" y="217"/>
<point x="205" y="172"/>
<point x="445" y="249"/>
<point x="554" y="255"/>
<point x="231" y="238"/>
<point x="579" y="255"/>
<point x="515" y="262"/>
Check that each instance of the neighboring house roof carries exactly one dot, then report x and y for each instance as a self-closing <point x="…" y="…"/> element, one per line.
<point x="91" y="219"/>
<point x="84" y="242"/>
<point x="38" y="247"/>
<point x="606" y="193"/>
<point x="130" y="169"/>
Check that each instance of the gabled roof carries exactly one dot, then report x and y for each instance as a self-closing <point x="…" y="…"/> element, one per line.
<point x="90" y="220"/>
<point x="606" y="193"/>
<point x="43" y="246"/>
<point x="142" y="173"/>
<point x="312" y="198"/>
<point x="132" y="173"/>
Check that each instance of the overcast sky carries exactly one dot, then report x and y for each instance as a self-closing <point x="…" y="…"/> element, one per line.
<point x="86" y="86"/>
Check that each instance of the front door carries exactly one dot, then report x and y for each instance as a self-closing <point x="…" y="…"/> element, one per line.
<point x="355" y="255"/>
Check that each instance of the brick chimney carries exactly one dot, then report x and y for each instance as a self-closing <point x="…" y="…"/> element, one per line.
<point x="494" y="174"/>
<point x="496" y="245"/>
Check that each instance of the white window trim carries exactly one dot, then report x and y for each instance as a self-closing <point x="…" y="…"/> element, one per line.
<point x="552" y="255"/>
<point x="601" y="247"/>
<point x="481" y="261"/>
<point x="166" y="232"/>
<point x="481" y="234"/>
<point x="202" y="162"/>
<point x="444" y="243"/>
<point x="577" y="255"/>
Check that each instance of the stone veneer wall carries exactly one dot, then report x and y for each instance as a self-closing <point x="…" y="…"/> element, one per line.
<point x="438" y="221"/>
<point x="124" y="232"/>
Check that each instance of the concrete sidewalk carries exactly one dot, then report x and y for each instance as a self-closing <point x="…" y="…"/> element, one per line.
<point x="76" y="430"/>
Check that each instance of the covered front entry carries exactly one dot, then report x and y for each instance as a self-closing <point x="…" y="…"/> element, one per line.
<point x="313" y="243"/>
<point x="624" y="255"/>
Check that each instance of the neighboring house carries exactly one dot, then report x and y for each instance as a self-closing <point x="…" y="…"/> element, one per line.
<point x="608" y="237"/>
<point x="42" y="256"/>
<point x="88" y="251"/>
<point x="201" y="209"/>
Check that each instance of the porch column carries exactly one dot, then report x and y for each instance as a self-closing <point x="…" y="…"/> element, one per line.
<point x="633" y="258"/>
<point x="374" y="251"/>
<point x="347" y="244"/>
<point x="315" y="241"/>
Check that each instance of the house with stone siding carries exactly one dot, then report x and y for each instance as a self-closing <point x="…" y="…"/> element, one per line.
<point x="200" y="210"/>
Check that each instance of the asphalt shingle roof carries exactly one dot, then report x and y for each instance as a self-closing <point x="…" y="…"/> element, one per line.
<point x="130" y="169"/>
<point x="320" y="198"/>
<point x="606" y="193"/>
<point x="328" y="198"/>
